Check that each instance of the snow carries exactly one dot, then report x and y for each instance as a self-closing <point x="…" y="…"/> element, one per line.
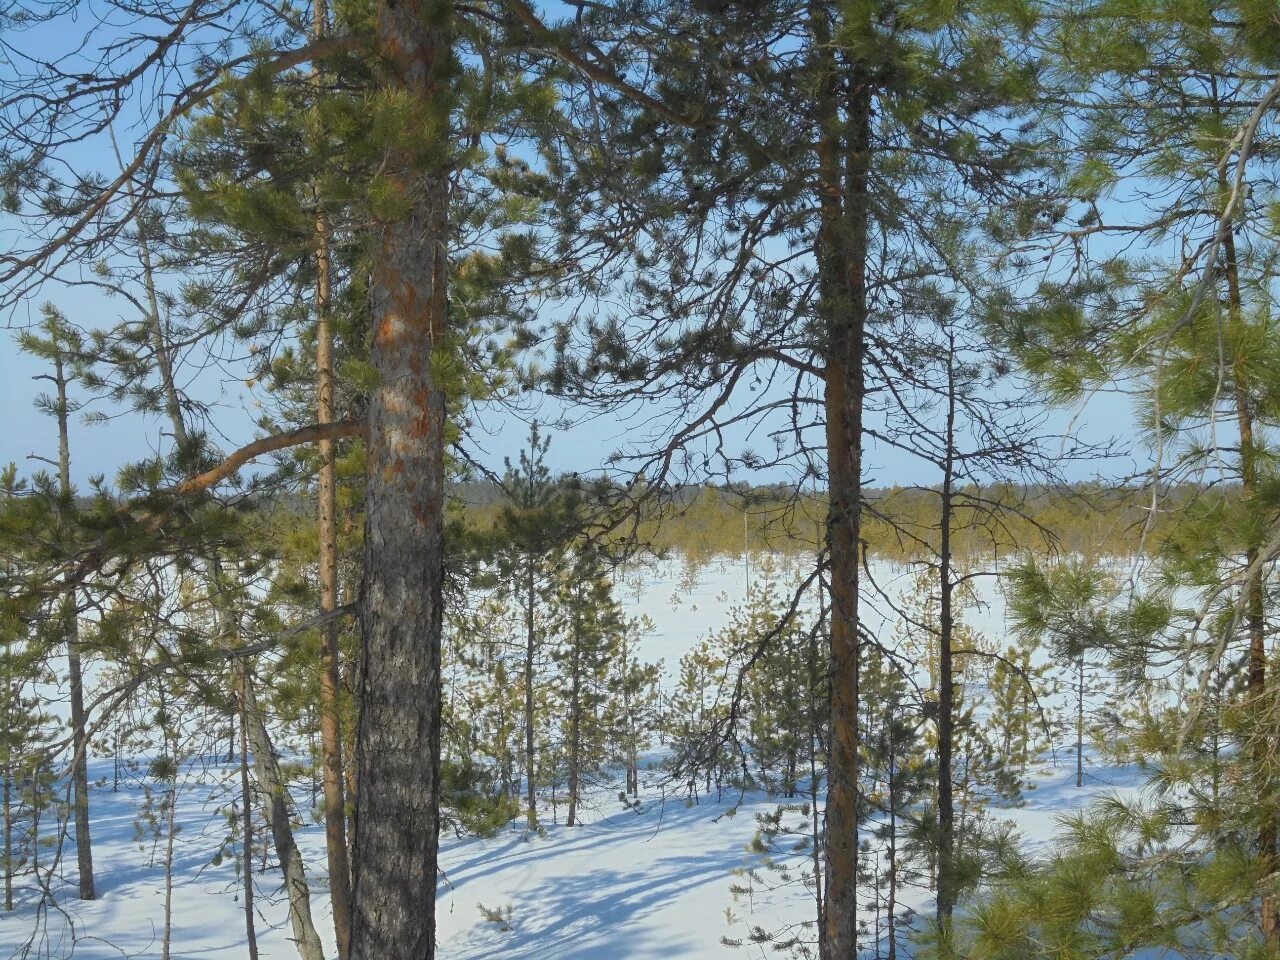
<point x="652" y="882"/>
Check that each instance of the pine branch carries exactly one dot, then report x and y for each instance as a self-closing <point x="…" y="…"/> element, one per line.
<point x="151" y="519"/>
<point x="12" y="267"/>
<point x="337" y="430"/>
<point x="559" y="50"/>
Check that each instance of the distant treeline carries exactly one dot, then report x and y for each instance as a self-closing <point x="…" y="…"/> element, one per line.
<point x="1085" y="519"/>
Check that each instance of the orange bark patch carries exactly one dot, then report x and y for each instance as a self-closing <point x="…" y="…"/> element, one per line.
<point x="420" y="427"/>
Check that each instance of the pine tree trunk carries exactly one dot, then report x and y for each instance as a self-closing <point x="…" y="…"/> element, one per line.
<point x="1025" y="721"/>
<point x="351" y="683"/>
<point x="843" y="162"/>
<point x="171" y="824"/>
<point x="80" y="763"/>
<point x="530" y="766"/>
<point x="160" y="344"/>
<point x="246" y="827"/>
<point x="1255" y="596"/>
<point x="628" y="706"/>
<point x="398" y="736"/>
<point x="891" y="906"/>
<point x="816" y="690"/>
<point x="575" y="735"/>
<point x="1080" y="721"/>
<point x="275" y="803"/>
<point x="335" y="827"/>
<point x="33" y="835"/>
<point x="8" y="833"/>
<point x="71" y="623"/>
<point x="946" y="677"/>
<point x="317" y="761"/>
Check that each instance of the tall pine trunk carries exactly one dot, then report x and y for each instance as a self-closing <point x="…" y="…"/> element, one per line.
<point x="1080" y="720"/>
<point x="253" y="727"/>
<point x="530" y="765"/>
<point x="575" y="723"/>
<point x="71" y="624"/>
<point x="843" y="169"/>
<point x="171" y="826"/>
<point x="394" y="858"/>
<point x="246" y="823"/>
<point x="159" y="342"/>
<point x="7" y="811"/>
<point x="891" y="904"/>
<point x="817" y="692"/>
<point x="628" y="707"/>
<point x="946" y="675"/>
<point x="335" y="827"/>
<point x="80" y="762"/>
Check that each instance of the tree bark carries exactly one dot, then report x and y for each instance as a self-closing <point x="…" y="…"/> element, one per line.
<point x="398" y="735"/>
<point x="575" y="726"/>
<point x="891" y="904"/>
<point x="246" y="829"/>
<point x="171" y="823"/>
<point x="253" y="727"/>
<point x="530" y="765"/>
<point x="7" y="773"/>
<point x="817" y="690"/>
<point x="844" y="166"/>
<point x="80" y="762"/>
<point x="628" y="709"/>
<point x="71" y="623"/>
<point x="160" y="344"/>
<point x="335" y="806"/>
<point x="946" y="678"/>
<point x="275" y="803"/>
<point x="1080" y="721"/>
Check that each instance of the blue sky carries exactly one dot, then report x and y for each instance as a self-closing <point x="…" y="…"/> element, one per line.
<point x="103" y="448"/>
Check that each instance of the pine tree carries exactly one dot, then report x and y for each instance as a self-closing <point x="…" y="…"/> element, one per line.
<point x="1067" y="606"/>
<point x="692" y="717"/>
<point x="530" y="552"/>
<point x="1180" y="311"/>
<point x="1015" y="722"/>
<point x="26" y="734"/>
<point x="591" y="642"/>
<point x="824" y="135"/>
<point x="634" y="708"/>
<point x="786" y="851"/>
<point x="58" y="343"/>
<point x="418" y="87"/>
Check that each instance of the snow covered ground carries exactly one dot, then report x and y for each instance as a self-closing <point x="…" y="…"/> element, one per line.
<point x="634" y="884"/>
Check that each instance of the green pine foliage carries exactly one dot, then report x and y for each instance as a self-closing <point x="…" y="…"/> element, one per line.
<point x="28" y="760"/>
<point x="1116" y="885"/>
<point x="747" y="696"/>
